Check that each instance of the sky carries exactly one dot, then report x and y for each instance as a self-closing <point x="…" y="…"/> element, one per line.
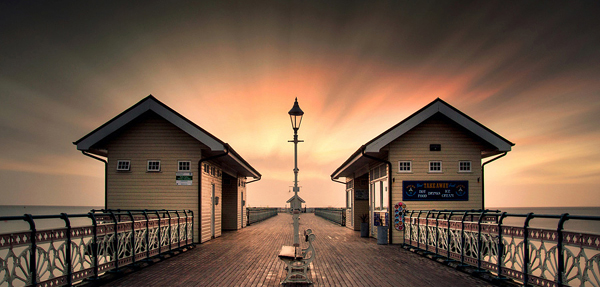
<point x="528" y="70"/>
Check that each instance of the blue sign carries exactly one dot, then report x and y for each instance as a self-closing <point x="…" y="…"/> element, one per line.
<point x="450" y="190"/>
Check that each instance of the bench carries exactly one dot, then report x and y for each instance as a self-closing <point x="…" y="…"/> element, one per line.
<point x="297" y="260"/>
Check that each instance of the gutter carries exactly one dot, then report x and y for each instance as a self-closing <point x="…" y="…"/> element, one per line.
<point x="105" y="175"/>
<point x="482" y="178"/>
<point x="389" y="187"/>
<point x="254" y="180"/>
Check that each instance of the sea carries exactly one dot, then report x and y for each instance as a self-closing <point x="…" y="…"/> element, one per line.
<point x="8" y="226"/>
<point x="583" y="226"/>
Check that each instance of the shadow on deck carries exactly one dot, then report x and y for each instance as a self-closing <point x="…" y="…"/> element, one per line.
<point x="248" y="257"/>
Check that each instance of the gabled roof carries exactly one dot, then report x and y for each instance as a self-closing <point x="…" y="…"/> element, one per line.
<point x="151" y="104"/>
<point x="374" y="146"/>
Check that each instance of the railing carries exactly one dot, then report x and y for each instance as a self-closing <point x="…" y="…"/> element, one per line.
<point x="336" y="215"/>
<point x="109" y="240"/>
<point x="542" y="257"/>
<point x="257" y="214"/>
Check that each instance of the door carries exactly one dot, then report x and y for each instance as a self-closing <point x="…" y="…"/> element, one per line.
<point x="212" y="212"/>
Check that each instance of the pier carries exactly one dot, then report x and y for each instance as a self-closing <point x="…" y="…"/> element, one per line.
<point x="248" y="257"/>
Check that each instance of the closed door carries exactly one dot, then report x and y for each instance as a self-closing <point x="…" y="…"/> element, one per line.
<point x="212" y="212"/>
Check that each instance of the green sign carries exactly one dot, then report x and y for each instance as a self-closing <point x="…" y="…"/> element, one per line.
<point x="184" y="178"/>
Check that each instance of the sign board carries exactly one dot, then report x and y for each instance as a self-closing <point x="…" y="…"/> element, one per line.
<point x="184" y="178"/>
<point x="449" y="190"/>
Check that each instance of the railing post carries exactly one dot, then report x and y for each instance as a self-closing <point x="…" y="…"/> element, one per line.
<point x="178" y="230"/>
<point x="132" y="236"/>
<point x="68" y="260"/>
<point x="170" y="232"/>
<point x="192" y="227"/>
<point x="479" y="240"/>
<point x="559" y="248"/>
<point x="448" y="236"/>
<point x="427" y="230"/>
<point x="147" y="234"/>
<point x="500" y="245"/>
<point x="419" y="230"/>
<point x="115" y="241"/>
<point x="462" y="238"/>
<point x="92" y="216"/>
<point x="33" y="252"/>
<point x="186" y="226"/>
<point x="526" y="249"/>
<point x="158" y="240"/>
<point x="437" y="233"/>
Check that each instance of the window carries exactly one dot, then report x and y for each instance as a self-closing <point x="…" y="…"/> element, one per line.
<point x="405" y="166"/>
<point x="153" y="165"/>
<point x="435" y="166"/>
<point x="349" y="199"/>
<point x="183" y="166"/>
<point x="464" y="166"/>
<point x="123" y="165"/>
<point x="378" y="172"/>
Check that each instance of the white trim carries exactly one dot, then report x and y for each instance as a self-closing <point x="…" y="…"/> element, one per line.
<point x="465" y="171"/>
<point x="444" y="109"/>
<point x="124" y="161"/>
<point x="409" y="166"/>
<point x="153" y="161"/>
<point x="436" y="171"/>
<point x="150" y="105"/>
<point x="184" y="161"/>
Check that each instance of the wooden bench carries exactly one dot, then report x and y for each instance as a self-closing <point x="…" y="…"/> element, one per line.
<point x="297" y="260"/>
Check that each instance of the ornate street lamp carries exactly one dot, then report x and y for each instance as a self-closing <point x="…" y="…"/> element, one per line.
<point x="296" y="202"/>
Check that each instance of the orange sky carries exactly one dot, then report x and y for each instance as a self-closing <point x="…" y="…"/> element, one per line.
<point x="530" y="75"/>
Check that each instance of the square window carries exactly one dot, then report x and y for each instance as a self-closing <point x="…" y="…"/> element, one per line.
<point x="435" y="166"/>
<point x="184" y="166"/>
<point x="123" y="165"/>
<point x="153" y="165"/>
<point x="405" y="166"/>
<point x="464" y="166"/>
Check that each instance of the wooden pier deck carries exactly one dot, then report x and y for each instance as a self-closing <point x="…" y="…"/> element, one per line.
<point x="248" y="257"/>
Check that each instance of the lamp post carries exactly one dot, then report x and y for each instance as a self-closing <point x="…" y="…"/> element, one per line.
<point x="296" y="202"/>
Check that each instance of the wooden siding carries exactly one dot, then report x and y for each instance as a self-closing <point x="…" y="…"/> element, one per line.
<point x="457" y="144"/>
<point x="152" y="138"/>
<point x="205" y="226"/>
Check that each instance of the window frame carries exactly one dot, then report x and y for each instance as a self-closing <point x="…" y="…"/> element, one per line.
<point x="153" y="161"/>
<point x="124" y="161"/>
<point x="189" y="165"/>
<point x="465" y="161"/>
<point x="435" y="171"/>
<point x="400" y="170"/>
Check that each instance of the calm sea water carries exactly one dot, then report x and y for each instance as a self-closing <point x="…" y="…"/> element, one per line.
<point x="7" y="226"/>
<point x="584" y="226"/>
<point x="571" y="225"/>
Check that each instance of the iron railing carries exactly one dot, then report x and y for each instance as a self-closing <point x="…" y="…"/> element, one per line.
<point x="108" y="240"/>
<point x="542" y="257"/>
<point x="336" y="215"/>
<point x="257" y="214"/>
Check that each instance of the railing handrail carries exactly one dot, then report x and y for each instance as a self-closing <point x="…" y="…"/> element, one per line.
<point x="120" y="241"/>
<point x="537" y="256"/>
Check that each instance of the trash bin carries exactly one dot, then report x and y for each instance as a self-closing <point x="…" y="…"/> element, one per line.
<point x="382" y="235"/>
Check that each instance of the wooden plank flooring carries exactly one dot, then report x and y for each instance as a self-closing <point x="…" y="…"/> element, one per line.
<point x="248" y="257"/>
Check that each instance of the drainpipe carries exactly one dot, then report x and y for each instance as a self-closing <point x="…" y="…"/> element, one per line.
<point x="482" y="179"/>
<point x="105" y="175"/>
<point x="200" y="186"/>
<point x="389" y="190"/>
